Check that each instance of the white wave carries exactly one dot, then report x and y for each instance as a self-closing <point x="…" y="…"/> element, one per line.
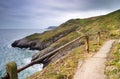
<point x="34" y="68"/>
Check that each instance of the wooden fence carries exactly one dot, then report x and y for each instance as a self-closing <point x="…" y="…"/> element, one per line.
<point x="11" y="67"/>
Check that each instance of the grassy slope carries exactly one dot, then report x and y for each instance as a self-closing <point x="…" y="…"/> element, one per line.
<point x="66" y="66"/>
<point x="69" y="25"/>
<point x="110" y="22"/>
<point x="78" y="22"/>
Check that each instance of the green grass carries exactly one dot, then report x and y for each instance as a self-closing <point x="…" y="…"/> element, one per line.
<point x="105" y="23"/>
<point x="65" y="39"/>
<point x="113" y="64"/>
<point x="65" y="27"/>
<point x="115" y="34"/>
<point x="51" y="34"/>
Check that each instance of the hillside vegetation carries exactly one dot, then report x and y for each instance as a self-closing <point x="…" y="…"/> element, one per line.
<point x="110" y="22"/>
<point x="64" y="67"/>
<point x="112" y="69"/>
<point x="40" y="41"/>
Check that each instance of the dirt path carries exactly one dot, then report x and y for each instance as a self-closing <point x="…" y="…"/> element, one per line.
<point x="93" y="68"/>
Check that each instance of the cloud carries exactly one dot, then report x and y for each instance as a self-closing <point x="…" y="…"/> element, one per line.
<point x="43" y="13"/>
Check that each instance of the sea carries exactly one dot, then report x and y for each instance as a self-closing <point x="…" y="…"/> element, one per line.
<point x="20" y="56"/>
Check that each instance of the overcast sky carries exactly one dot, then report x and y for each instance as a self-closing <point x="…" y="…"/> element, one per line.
<point x="44" y="13"/>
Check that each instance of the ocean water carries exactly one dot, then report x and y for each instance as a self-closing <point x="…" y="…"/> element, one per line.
<point x="20" y="56"/>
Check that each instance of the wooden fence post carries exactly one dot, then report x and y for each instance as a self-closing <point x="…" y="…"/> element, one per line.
<point x="106" y="35"/>
<point x="11" y="69"/>
<point x="99" y="37"/>
<point x="87" y="43"/>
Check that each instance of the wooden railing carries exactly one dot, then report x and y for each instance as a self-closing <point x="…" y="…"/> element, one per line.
<point x="11" y="67"/>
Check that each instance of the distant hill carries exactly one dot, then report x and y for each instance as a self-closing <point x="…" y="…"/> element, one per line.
<point x="51" y="27"/>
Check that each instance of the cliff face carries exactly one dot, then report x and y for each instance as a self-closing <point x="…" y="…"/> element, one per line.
<point x="66" y="32"/>
<point x="25" y="43"/>
<point x="57" y="53"/>
<point x="38" y="44"/>
<point x="40" y="41"/>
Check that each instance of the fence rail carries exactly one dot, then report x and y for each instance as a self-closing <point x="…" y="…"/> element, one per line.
<point x="10" y="74"/>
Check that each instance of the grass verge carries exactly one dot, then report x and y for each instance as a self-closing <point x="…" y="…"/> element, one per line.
<point x="112" y="69"/>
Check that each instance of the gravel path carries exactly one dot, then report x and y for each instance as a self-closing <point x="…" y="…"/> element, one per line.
<point x="93" y="68"/>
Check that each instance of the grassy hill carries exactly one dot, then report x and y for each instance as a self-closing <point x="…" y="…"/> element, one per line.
<point x="110" y="22"/>
<point x="65" y="67"/>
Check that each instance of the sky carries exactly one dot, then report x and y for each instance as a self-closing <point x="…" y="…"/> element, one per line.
<point x="38" y="14"/>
